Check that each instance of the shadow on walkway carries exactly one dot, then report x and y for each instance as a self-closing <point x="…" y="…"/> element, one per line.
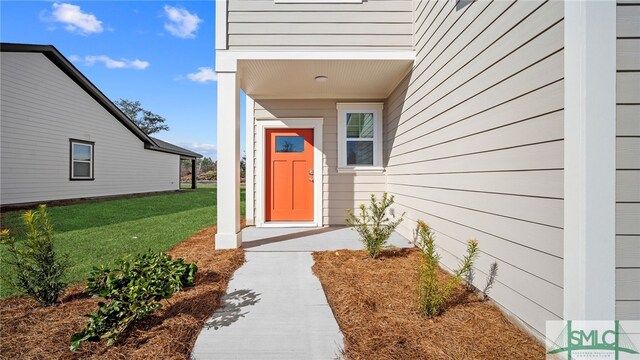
<point x="231" y="310"/>
<point x="291" y="236"/>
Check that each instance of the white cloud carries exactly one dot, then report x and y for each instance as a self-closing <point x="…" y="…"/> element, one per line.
<point x="203" y="147"/>
<point x="182" y="23"/>
<point x="110" y="63"/>
<point x="75" y="19"/>
<point x="204" y="74"/>
<point x="139" y="64"/>
<point x="209" y="150"/>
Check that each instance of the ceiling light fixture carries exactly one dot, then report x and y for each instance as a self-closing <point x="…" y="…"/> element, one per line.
<point x="321" y="78"/>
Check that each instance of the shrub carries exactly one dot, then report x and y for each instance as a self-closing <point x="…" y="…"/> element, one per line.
<point x="39" y="271"/>
<point x="209" y="175"/>
<point x="133" y="290"/>
<point x="373" y="225"/>
<point x="432" y="294"/>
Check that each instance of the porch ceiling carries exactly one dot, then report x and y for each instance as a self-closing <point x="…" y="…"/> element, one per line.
<point x="347" y="79"/>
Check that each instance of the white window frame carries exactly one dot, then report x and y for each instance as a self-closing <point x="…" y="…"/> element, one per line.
<point x="343" y="110"/>
<point x="91" y="145"/>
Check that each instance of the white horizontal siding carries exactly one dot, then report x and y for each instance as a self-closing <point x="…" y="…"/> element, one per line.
<point x="628" y="162"/>
<point x="372" y="6"/>
<point x="42" y="108"/>
<point x="313" y="29"/>
<point x="628" y="87"/>
<point x="627" y="120"/>
<point x="628" y="251"/>
<point x="628" y="54"/>
<point x="340" y="191"/>
<point x="627" y="25"/>
<point x="542" y="184"/>
<point x="293" y="40"/>
<point x="372" y="24"/>
<point x="474" y="144"/>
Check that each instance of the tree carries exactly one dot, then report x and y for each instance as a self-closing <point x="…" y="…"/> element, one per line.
<point x="243" y="167"/>
<point x="206" y="164"/>
<point x="185" y="167"/>
<point x="147" y="121"/>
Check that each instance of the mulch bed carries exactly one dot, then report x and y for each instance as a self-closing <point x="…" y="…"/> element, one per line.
<point x="28" y="331"/>
<point x="375" y="303"/>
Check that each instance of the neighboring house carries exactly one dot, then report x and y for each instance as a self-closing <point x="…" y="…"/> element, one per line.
<point x="61" y="138"/>
<point x="514" y="123"/>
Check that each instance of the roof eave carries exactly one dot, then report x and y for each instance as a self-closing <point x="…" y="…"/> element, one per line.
<point x="182" y="154"/>
<point x="70" y="70"/>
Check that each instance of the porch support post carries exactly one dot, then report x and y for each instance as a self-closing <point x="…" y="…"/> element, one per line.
<point x="249" y="178"/>
<point x="589" y="158"/>
<point x="228" y="192"/>
<point x="193" y="173"/>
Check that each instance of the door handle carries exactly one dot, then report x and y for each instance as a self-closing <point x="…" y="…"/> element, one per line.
<point x="311" y="179"/>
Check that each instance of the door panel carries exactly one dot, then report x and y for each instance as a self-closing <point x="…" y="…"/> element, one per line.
<point x="281" y="174"/>
<point x="289" y="175"/>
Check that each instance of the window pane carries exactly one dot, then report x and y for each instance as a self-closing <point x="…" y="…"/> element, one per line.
<point x="81" y="152"/>
<point x="359" y="152"/>
<point x="360" y="125"/>
<point x="290" y="144"/>
<point x="81" y="170"/>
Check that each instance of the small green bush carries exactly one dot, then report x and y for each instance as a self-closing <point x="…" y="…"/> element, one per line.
<point x="39" y="271"/>
<point x="433" y="295"/>
<point x="133" y="290"/>
<point x="209" y="175"/>
<point x="373" y="225"/>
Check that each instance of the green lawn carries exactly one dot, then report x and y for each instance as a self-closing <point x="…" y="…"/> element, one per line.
<point x="98" y="232"/>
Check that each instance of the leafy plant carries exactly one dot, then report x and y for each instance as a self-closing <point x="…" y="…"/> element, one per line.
<point x="39" y="271"/>
<point x="147" y="121"/>
<point x="432" y="294"/>
<point x="206" y="164"/>
<point x="373" y="225"/>
<point x="209" y="175"/>
<point x="133" y="290"/>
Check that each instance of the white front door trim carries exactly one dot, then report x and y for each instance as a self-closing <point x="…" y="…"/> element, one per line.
<point x="292" y="123"/>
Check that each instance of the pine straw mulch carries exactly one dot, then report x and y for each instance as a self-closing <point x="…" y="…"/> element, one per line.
<point x="28" y="331"/>
<point x="375" y="304"/>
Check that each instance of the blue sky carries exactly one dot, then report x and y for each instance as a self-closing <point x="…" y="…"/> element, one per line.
<point x="161" y="53"/>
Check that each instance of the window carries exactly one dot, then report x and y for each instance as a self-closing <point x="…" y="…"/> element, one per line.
<point x="290" y="144"/>
<point x="81" y="160"/>
<point x="360" y="136"/>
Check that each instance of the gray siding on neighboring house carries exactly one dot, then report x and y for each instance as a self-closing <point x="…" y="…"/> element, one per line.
<point x="628" y="162"/>
<point x="42" y="108"/>
<point x="263" y="24"/>
<point x="474" y="144"/>
<point x="340" y="191"/>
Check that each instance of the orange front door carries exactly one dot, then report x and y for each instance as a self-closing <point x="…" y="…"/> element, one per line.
<point x="289" y="175"/>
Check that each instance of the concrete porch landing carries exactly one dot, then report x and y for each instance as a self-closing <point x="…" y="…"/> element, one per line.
<point x="275" y="307"/>
<point x="307" y="239"/>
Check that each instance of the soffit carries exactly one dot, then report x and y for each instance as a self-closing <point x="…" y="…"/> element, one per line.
<point x="295" y="79"/>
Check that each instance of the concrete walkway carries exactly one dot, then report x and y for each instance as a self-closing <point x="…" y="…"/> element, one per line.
<point x="275" y="307"/>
